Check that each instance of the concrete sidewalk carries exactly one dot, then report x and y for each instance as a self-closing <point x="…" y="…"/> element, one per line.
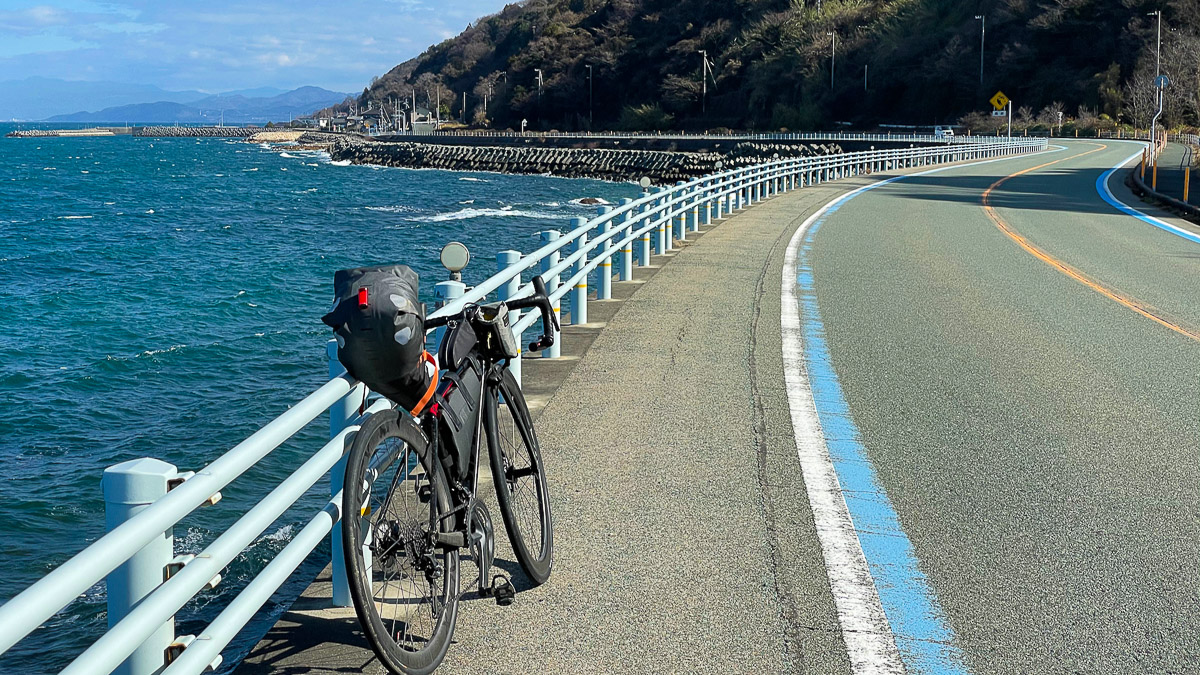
<point x="1170" y="173"/>
<point x="683" y="537"/>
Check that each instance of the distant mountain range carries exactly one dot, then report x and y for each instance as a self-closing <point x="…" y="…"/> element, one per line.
<point x="231" y="108"/>
<point x="39" y="98"/>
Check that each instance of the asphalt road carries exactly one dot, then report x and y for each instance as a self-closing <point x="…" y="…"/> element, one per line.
<point x="1029" y="401"/>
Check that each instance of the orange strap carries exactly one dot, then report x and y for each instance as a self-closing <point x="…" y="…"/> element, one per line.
<point x="428" y="358"/>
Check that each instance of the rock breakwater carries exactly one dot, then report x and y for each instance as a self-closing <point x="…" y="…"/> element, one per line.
<point x="660" y="166"/>
<point x="197" y="132"/>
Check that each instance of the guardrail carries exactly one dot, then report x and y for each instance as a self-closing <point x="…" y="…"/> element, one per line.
<point x="632" y="135"/>
<point x="145" y="498"/>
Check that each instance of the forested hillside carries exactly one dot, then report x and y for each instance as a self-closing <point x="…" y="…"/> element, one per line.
<point x="896" y="61"/>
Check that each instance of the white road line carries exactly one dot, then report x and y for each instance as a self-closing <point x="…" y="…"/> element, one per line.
<point x="870" y="642"/>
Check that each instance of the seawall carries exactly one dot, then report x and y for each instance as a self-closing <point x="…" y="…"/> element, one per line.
<point x="661" y="166"/>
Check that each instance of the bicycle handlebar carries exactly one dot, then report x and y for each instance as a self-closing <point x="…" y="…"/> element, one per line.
<point x="539" y="299"/>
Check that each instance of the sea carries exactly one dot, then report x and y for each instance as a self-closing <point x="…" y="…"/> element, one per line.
<point x="161" y="297"/>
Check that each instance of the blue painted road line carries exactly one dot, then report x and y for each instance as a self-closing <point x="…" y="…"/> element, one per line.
<point x="1107" y="195"/>
<point x="925" y="641"/>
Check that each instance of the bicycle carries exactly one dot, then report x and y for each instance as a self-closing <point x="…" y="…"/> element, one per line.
<point x="409" y="504"/>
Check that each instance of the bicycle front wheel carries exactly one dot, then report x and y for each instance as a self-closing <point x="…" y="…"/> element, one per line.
<point x="520" y="477"/>
<point x="404" y="585"/>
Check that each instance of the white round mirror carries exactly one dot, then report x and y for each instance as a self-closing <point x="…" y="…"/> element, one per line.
<point x="455" y="256"/>
<point x="644" y="182"/>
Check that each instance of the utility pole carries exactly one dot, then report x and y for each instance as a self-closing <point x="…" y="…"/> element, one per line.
<point x="1010" y="118"/>
<point x="832" y="56"/>
<point x="591" y="89"/>
<point x="864" y="78"/>
<point x="982" y="34"/>
<point x="703" y="82"/>
<point x="464" y="107"/>
<point x="439" y="105"/>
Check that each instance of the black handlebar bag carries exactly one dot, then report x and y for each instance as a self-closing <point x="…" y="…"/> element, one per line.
<point x="379" y="322"/>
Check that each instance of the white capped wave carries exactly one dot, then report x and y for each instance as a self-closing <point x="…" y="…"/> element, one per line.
<point x="469" y="201"/>
<point x="284" y="154"/>
<point x="340" y="162"/>
<point x="550" y="204"/>
<point x="155" y="352"/>
<point x="507" y="212"/>
<point x="469" y="179"/>
<point x="74" y="217"/>
<point x="254" y="169"/>
<point x="392" y="209"/>
<point x="150" y="211"/>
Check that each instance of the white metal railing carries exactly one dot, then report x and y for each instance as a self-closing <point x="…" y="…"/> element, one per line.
<point x="631" y="135"/>
<point x="145" y="498"/>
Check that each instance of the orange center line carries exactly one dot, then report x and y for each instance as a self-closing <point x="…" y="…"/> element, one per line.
<point x="1148" y="311"/>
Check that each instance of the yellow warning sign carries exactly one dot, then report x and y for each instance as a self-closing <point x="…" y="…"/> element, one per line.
<point x="999" y="101"/>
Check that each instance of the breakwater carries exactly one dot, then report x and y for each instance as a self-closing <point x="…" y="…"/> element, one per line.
<point x="197" y="132"/>
<point x="661" y="166"/>
<point x="56" y="133"/>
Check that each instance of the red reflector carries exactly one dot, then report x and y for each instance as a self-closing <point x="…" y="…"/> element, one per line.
<point x="433" y="409"/>
<point x="362" y="297"/>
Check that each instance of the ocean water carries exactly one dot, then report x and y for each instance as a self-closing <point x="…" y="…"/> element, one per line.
<point x="162" y="298"/>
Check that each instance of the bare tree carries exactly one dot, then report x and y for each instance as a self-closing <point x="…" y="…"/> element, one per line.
<point x="1050" y="114"/>
<point x="1141" y="100"/>
<point x="1024" y="116"/>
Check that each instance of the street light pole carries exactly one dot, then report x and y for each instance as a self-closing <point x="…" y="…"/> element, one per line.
<point x="539" y="99"/>
<point x="832" y="58"/>
<point x="982" y="34"/>
<point x="1158" y="49"/>
<point x="1157" y="74"/>
<point x="703" y="82"/>
<point x="591" y="89"/>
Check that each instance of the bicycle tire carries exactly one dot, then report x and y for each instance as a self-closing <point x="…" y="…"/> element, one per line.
<point x="404" y="563"/>
<point x="515" y="457"/>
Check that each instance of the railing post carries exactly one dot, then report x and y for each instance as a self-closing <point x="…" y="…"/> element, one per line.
<point x="130" y="487"/>
<point x="446" y="292"/>
<point x="580" y="292"/>
<point x="341" y="414"/>
<point x="706" y="192"/>
<point x="627" y="249"/>
<point x="681" y="225"/>
<point x="604" y="291"/>
<point x="720" y="198"/>
<point x="661" y="244"/>
<point x="644" y="250"/>
<point x="548" y="262"/>
<point x="696" y="193"/>
<point x="504" y="260"/>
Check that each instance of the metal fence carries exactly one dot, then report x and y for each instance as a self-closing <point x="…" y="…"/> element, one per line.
<point x="633" y="135"/>
<point x="145" y="498"/>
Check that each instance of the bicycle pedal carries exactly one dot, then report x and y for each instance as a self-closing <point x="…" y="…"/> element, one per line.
<point x="502" y="590"/>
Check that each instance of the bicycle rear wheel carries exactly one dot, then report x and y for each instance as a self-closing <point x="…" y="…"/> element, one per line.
<point x="404" y="586"/>
<point x="520" y="477"/>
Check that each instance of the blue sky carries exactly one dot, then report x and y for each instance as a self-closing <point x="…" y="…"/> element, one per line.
<point x="213" y="45"/>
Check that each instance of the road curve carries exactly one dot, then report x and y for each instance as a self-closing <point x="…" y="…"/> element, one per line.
<point x="1022" y="363"/>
